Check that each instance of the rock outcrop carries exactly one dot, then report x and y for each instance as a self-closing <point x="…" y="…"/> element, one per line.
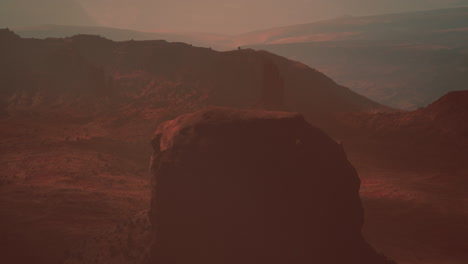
<point x="238" y="186"/>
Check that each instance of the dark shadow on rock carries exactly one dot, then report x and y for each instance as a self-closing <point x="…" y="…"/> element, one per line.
<point x="232" y="186"/>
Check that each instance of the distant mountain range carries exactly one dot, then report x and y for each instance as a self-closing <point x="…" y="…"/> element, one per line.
<point x="445" y="27"/>
<point x="404" y="60"/>
<point x="441" y="27"/>
<point x="234" y="17"/>
<point x="61" y="31"/>
<point x="401" y="60"/>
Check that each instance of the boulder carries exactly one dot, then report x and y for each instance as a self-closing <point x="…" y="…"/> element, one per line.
<point x="252" y="187"/>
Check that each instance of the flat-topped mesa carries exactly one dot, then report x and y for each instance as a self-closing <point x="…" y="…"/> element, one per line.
<point x="241" y="187"/>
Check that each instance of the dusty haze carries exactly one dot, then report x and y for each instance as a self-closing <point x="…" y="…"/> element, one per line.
<point x="214" y="16"/>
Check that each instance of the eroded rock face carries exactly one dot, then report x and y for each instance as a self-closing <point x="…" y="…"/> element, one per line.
<point x="236" y="186"/>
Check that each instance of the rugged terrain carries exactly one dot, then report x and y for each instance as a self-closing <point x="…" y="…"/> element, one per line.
<point x="413" y="170"/>
<point x="403" y="60"/>
<point x="78" y="114"/>
<point x="90" y="78"/>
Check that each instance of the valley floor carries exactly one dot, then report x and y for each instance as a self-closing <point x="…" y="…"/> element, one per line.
<point x="60" y="188"/>
<point x="415" y="212"/>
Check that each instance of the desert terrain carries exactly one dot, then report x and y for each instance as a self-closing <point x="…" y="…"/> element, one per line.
<point x="78" y="115"/>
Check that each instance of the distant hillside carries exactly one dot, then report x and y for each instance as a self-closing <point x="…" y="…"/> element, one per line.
<point x="405" y="76"/>
<point x="116" y="34"/>
<point x="442" y="121"/>
<point x="442" y="27"/>
<point x="91" y="77"/>
<point x="448" y="114"/>
<point x="226" y="16"/>
<point x="402" y="60"/>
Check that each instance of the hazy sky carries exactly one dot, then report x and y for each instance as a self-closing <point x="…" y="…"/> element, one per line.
<point x="215" y="16"/>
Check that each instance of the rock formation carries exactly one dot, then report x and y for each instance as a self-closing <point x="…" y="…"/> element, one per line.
<point x="97" y="76"/>
<point x="238" y="186"/>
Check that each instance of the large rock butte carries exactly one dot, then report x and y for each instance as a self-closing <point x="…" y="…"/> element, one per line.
<point x="253" y="187"/>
